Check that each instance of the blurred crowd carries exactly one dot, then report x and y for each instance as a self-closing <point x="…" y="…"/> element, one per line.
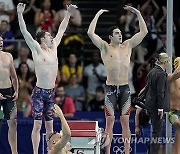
<point x="80" y="84"/>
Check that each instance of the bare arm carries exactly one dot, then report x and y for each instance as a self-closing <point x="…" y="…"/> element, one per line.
<point x="70" y="9"/>
<point x="98" y="42"/>
<point x="137" y="126"/>
<point x="156" y="12"/>
<point x="27" y="36"/>
<point x="160" y="21"/>
<point x="175" y="75"/>
<point x="138" y="37"/>
<point x="29" y="7"/>
<point x="145" y="5"/>
<point x="14" y="79"/>
<point x="38" y="19"/>
<point x="66" y="133"/>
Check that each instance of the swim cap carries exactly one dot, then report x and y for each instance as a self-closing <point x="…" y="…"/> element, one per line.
<point x="176" y="62"/>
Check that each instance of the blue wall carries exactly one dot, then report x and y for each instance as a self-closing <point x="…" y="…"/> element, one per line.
<point x="25" y="128"/>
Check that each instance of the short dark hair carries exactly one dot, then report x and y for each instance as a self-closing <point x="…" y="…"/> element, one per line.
<point x="5" y="21"/>
<point x="50" y="136"/>
<point x="72" y="53"/>
<point x="100" y="89"/>
<point x="40" y="35"/>
<point x="110" y="30"/>
<point x="60" y="85"/>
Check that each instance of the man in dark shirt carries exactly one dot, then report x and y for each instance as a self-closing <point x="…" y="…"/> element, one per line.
<point x="97" y="104"/>
<point x="157" y="98"/>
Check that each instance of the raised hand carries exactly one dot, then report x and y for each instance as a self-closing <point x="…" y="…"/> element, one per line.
<point x="71" y="8"/>
<point x="164" y="10"/>
<point x="102" y="11"/>
<point x="21" y="7"/>
<point x="57" y="110"/>
<point x="132" y="9"/>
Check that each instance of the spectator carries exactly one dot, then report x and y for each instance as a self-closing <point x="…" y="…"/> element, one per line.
<point x="27" y="108"/>
<point x="25" y="84"/>
<point x="29" y="15"/>
<point x="71" y="67"/>
<point x="7" y="11"/>
<point x="76" y="91"/>
<point x="6" y="35"/>
<point x="75" y="20"/>
<point x="23" y="54"/>
<point x="96" y="75"/>
<point x="150" y="11"/>
<point x="128" y="23"/>
<point x="161" y="28"/>
<point x="44" y="18"/>
<point x="64" y="102"/>
<point x="97" y="104"/>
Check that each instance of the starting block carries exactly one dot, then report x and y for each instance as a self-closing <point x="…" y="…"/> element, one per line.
<point x="85" y="136"/>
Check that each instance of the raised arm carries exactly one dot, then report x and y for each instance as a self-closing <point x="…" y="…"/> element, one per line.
<point x="156" y="12"/>
<point x="98" y="42"/>
<point x="176" y="74"/>
<point x="66" y="133"/>
<point x="145" y="5"/>
<point x="27" y="36"/>
<point x="138" y="37"/>
<point x="161" y="20"/>
<point x="70" y="9"/>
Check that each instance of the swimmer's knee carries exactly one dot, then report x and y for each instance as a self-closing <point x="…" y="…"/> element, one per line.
<point x="13" y="113"/>
<point x="110" y="120"/>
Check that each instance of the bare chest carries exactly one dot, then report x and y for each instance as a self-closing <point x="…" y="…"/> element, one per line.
<point x="47" y="59"/>
<point x="175" y="86"/>
<point x="4" y="62"/>
<point x="119" y="55"/>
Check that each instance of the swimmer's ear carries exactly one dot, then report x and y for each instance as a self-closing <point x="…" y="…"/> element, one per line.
<point x="110" y="36"/>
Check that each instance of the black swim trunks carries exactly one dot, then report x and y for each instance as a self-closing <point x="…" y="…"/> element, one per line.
<point x="117" y="95"/>
<point x="7" y="104"/>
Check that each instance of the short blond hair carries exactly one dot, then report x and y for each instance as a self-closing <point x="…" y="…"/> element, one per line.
<point x="163" y="58"/>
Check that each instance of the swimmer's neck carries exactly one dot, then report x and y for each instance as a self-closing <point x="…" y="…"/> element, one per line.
<point x="115" y="45"/>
